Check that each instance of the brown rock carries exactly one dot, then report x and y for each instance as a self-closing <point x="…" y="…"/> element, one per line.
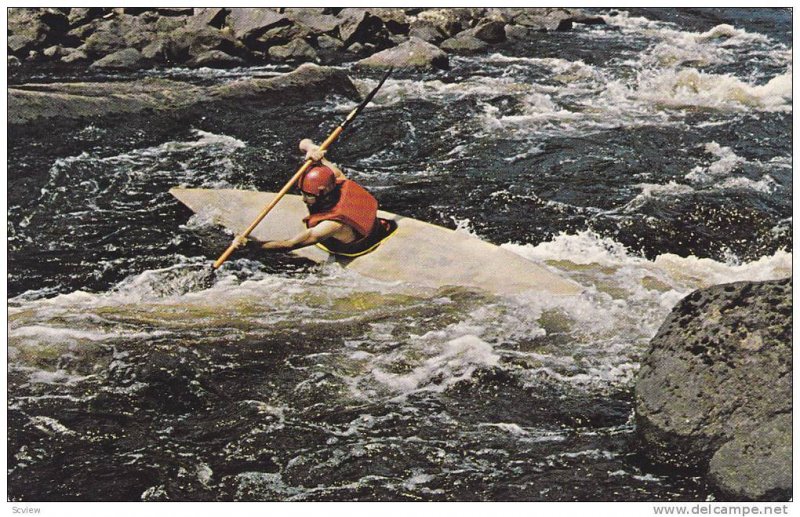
<point x="414" y="53"/>
<point x="249" y="23"/>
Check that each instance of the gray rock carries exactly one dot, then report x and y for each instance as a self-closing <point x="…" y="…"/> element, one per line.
<point x="715" y="377"/>
<point x="19" y="45"/>
<point x="317" y="23"/>
<point x="81" y="15"/>
<point x="329" y="42"/>
<point x="213" y="16"/>
<point x="756" y="466"/>
<point x="14" y="62"/>
<point x="542" y="19"/>
<point x="72" y="101"/>
<point x="427" y="31"/>
<point x="76" y="56"/>
<point x="516" y="32"/>
<point x="413" y="53"/>
<point x="103" y="37"/>
<point x="34" y="29"/>
<point x="159" y="51"/>
<point x="295" y="50"/>
<point x="464" y="43"/>
<point x="249" y="23"/>
<point x="128" y="59"/>
<point x="490" y="31"/>
<point x="215" y="59"/>
<point x="395" y="20"/>
<point x="358" y="26"/>
<point x="448" y="21"/>
<point x="56" y="51"/>
<point x="190" y="41"/>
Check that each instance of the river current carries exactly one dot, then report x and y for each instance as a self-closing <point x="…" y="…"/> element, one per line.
<point x="643" y="159"/>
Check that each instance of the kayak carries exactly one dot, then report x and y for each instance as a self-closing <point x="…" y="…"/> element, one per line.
<point x="417" y="253"/>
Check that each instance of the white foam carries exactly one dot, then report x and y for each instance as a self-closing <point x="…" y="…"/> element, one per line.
<point x="455" y="360"/>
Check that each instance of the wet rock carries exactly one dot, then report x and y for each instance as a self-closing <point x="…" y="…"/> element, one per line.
<point x="715" y="385"/>
<point x="249" y="23"/>
<point x="215" y="59"/>
<point x="587" y="20"/>
<point x="128" y="59"/>
<point x="309" y="81"/>
<point x="464" y="43"/>
<point x="413" y="53"/>
<point x="296" y="50"/>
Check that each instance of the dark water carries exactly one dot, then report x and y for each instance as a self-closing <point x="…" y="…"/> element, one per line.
<point x="642" y="159"/>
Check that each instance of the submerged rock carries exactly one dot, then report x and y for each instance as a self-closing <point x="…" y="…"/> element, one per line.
<point x="714" y="392"/>
<point x="413" y="53"/>
<point x="215" y="59"/>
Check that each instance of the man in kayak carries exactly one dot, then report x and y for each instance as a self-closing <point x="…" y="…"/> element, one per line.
<point x="342" y="214"/>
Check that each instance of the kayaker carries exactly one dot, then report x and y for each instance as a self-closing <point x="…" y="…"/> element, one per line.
<point x="342" y="214"/>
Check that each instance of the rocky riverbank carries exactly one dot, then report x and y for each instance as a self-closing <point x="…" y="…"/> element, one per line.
<point x="714" y="393"/>
<point x="135" y="38"/>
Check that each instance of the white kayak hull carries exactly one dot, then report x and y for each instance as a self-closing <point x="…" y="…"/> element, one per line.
<point x="417" y="253"/>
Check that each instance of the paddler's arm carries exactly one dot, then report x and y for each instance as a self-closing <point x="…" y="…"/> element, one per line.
<point x="313" y="151"/>
<point x="305" y="238"/>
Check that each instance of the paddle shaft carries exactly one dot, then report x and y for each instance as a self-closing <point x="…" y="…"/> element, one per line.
<point x="328" y="141"/>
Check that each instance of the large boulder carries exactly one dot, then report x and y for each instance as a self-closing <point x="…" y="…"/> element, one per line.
<point x="41" y="103"/>
<point x="714" y="391"/>
<point x="414" y="53"/>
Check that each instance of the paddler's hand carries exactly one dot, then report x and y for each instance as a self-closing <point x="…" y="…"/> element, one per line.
<point x="312" y="150"/>
<point x="239" y="241"/>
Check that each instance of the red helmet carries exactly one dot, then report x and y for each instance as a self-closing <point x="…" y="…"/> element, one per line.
<point x="317" y="181"/>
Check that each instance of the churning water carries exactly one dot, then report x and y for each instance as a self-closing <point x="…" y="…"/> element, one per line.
<point x="642" y="159"/>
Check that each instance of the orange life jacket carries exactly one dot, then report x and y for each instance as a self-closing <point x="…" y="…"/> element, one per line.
<point x="356" y="208"/>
